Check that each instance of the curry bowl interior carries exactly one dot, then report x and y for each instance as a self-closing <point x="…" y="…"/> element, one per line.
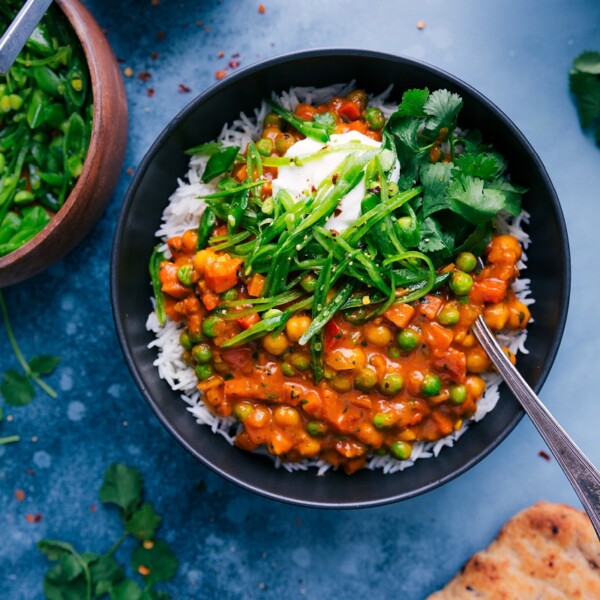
<point x="156" y="179"/>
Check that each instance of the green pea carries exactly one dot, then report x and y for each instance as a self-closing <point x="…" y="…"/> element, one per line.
<point x="185" y="340"/>
<point x="24" y="197"/>
<point x="356" y="316"/>
<point x="185" y="274"/>
<point x="273" y="120"/>
<point x="449" y="315"/>
<point x="230" y="295"/>
<point x="366" y="379"/>
<point x="458" y="394"/>
<point x="283" y="142"/>
<point x="316" y="428"/>
<point x="383" y="420"/>
<point x="341" y="383"/>
<point x="308" y="283"/>
<point x="202" y="353"/>
<point x="461" y="283"/>
<point x="431" y="385"/>
<point x="466" y="262"/>
<point x="392" y="383"/>
<point x="242" y="411"/>
<point x="393" y="189"/>
<point x="394" y="352"/>
<point x="401" y="450"/>
<point x="5" y="104"/>
<point x="299" y="361"/>
<point x="408" y="339"/>
<point x="211" y="325"/>
<point x="265" y="146"/>
<point x="203" y="372"/>
<point x="287" y="369"/>
<point x="196" y="338"/>
<point x="375" y="118"/>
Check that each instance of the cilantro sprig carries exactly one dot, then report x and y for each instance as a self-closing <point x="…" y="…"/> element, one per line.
<point x="584" y="81"/>
<point x="91" y="576"/>
<point x="17" y="388"/>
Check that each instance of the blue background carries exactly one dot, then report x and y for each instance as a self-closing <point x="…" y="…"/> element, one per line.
<point x="232" y="544"/>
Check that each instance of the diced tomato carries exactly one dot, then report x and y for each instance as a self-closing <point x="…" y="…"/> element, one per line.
<point x="430" y="306"/>
<point x="210" y="299"/>
<point x="331" y="331"/>
<point x="238" y="358"/>
<point x="247" y="321"/>
<point x="399" y="314"/>
<point x="489" y="290"/>
<point x="220" y="272"/>
<point x="255" y="285"/>
<point x="438" y="338"/>
<point x="170" y="283"/>
<point x="454" y="364"/>
<point x="349" y="110"/>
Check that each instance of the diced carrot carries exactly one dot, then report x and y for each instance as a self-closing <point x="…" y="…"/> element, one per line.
<point x="489" y="290"/>
<point x="210" y="299"/>
<point x="444" y="423"/>
<point x="349" y="110"/>
<point x="247" y="388"/>
<point x="359" y="126"/>
<point x="305" y="111"/>
<point x="220" y="272"/>
<point x="454" y="364"/>
<point x="171" y="310"/>
<point x="201" y="258"/>
<point x="430" y="305"/>
<point x="255" y="285"/>
<point x="242" y="173"/>
<point x="170" y="283"/>
<point x="399" y="314"/>
<point x="189" y="241"/>
<point x="247" y="321"/>
<point x="438" y="338"/>
<point x="211" y="382"/>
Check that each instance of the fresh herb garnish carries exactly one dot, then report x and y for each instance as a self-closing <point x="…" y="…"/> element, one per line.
<point x="90" y="576"/>
<point x="17" y="388"/>
<point x="584" y="80"/>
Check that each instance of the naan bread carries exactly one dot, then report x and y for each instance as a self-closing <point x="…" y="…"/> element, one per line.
<point x="546" y="552"/>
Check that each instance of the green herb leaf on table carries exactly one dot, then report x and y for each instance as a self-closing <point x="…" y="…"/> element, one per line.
<point x="122" y="486"/>
<point x="16" y="389"/>
<point x="44" y="364"/>
<point x="142" y="524"/>
<point x="156" y="564"/>
<point x="584" y="82"/>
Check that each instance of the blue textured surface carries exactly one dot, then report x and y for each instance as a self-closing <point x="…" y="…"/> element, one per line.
<point x="232" y="544"/>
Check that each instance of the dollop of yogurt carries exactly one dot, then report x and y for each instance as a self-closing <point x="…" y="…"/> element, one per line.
<point x="299" y="180"/>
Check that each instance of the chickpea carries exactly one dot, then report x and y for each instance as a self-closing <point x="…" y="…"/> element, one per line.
<point x="519" y="315"/>
<point x="341" y="383"/>
<point x="280" y="443"/>
<point x="369" y="435"/>
<point x="496" y="315"/>
<point x="286" y="416"/>
<point x="345" y="359"/>
<point x="259" y="417"/>
<point x="283" y="142"/>
<point x="309" y="447"/>
<point x="505" y="248"/>
<point x="296" y="327"/>
<point x="275" y="345"/>
<point x="242" y="410"/>
<point x="468" y="341"/>
<point x="475" y="386"/>
<point x="477" y="360"/>
<point x="379" y="335"/>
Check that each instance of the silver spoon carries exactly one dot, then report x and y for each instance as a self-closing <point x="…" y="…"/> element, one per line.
<point x="19" y="31"/>
<point x="582" y="474"/>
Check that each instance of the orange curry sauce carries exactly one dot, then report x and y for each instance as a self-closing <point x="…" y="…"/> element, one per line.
<point x="376" y="396"/>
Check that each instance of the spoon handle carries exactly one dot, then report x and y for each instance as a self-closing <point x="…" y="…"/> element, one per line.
<point x="582" y="474"/>
<point x="19" y="31"/>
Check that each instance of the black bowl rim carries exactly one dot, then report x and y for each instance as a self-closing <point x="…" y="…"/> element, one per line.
<point x="308" y="54"/>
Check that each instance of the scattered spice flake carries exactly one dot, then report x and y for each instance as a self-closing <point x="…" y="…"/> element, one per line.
<point x="150" y="92"/>
<point x="129" y="171"/>
<point x="184" y="89"/>
<point x="30" y="472"/>
<point x="142" y="570"/>
<point x="220" y="74"/>
<point x="93" y="508"/>
<point x="154" y="55"/>
<point x="20" y="495"/>
<point x="544" y="455"/>
<point x="160" y="36"/>
<point x="128" y="72"/>
<point x="261" y="9"/>
<point x="33" y="518"/>
<point x="420" y="25"/>
<point x="221" y="54"/>
<point x="206" y="28"/>
<point x="199" y="23"/>
<point x="236" y="55"/>
<point x="144" y="76"/>
<point x="234" y="64"/>
<point x="148" y="544"/>
<point x="155" y="2"/>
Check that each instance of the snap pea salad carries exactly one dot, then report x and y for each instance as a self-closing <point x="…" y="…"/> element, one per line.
<point x="45" y="124"/>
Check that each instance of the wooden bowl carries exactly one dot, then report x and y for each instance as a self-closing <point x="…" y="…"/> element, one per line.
<point x="102" y="166"/>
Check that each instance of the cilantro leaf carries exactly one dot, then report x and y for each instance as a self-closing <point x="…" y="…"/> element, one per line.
<point x="443" y="108"/>
<point x="126" y="590"/>
<point x="403" y="135"/>
<point x="16" y="388"/>
<point x="122" y="486"/>
<point x="432" y="237"/>
<point x="586" y="89"/>
<point x="158" y="562"/>
<point x="54" y="549"/>
<point x="485" y="165"/>
<point x="413" y="102"/>
<point x="588" y="62"/>
<point x="44" y="364"/>
<point x="106" y="572"/>
<point x="143" y="523"/>
<point x="434" y="178"/>
<point x="66" y="580"/>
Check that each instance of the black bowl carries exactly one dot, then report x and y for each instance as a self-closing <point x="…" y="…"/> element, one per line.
<point x="156" y="179"/>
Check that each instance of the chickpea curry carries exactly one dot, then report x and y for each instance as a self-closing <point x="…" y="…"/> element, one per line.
<point x="339" y="339"/>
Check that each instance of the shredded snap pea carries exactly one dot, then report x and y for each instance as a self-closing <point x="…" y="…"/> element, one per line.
<point x="159" y="300"/>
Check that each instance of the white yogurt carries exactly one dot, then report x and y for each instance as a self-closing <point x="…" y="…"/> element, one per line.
<point x="299" y="180"/>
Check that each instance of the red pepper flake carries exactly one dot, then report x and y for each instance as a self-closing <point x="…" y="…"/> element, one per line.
<point x="261" y="9"/>
<point x="160" y="36"/>
<point x="143" y="570"/>
<point x="33" y="518"/>
<point x="420" y="25"/>
<point x="221" y="54"/>
<point x="234" y="64"/>
<point x="199" y="23"/>
<point x="544" y="455"/>
<point x="184" y="89"/>
<point x="155" y="2"/>
<point x="130" y="171"/>
<point x="154" y="55"/>
<point x="150" y="92"/>
<point x="20" y="495"/>
<point x="206" y="28"/>
<point x="93" y="508"/>
<point x="145" y="76"/>
<point x="220" y="74"/>
<point x="30" y="472"/>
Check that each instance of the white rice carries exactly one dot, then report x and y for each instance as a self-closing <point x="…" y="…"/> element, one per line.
<point x="183" y="212"/>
